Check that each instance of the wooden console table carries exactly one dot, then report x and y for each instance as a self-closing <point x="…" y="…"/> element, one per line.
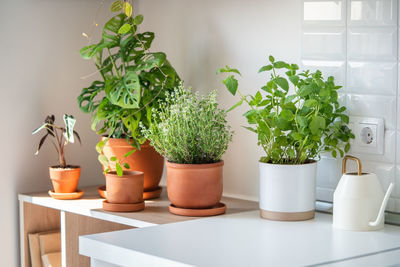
<point x="39" y="212"/>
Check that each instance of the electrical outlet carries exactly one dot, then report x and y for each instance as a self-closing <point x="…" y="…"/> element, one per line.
<point x="369" y="135"/>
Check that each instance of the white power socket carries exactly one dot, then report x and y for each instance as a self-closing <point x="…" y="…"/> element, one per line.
<point x="369" y="135"/>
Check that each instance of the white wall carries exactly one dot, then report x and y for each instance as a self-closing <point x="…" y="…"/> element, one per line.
<point x="40" y="70"/>
<point x="201" y="36"/>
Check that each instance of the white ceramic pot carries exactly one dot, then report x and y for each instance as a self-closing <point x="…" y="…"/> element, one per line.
<point x="287" y="192"/>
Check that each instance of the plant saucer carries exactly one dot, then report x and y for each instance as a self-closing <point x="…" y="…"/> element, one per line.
<point x="66" y="196"/>
<point x="122" y="207"/>
<point x="213" y="211"/>
<point x="155" y="193"/>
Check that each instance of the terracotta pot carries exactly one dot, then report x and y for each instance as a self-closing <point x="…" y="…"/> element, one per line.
<point x="126" y="189"/>
<point x="194" y="185"/>
<point x="65" y="180"/>
<point x="146" y="160"/>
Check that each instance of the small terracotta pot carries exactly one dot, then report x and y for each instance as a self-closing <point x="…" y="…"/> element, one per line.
<point x="146" y="160"/>
<point x="194" y="186"/>
<point x="126" y="189"/>
<point x="65" y="180"/>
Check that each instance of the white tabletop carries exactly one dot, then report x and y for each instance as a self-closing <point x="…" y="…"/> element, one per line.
<point x="242" y="239"/>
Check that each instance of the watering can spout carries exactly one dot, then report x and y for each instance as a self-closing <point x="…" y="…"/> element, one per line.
<point x="381" y="213"/>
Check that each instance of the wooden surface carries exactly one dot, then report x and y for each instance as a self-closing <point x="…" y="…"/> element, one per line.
<point x="86" y="216"/>
<point x="37" y="219"/>
<point x="77" y="225"/>
<point x="156" y="211"/>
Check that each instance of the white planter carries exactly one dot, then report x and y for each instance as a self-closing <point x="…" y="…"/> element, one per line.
<point x="287" y="192"/>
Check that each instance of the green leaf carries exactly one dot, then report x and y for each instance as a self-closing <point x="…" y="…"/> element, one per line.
<point x="69" y="121"/>
<point x="129" y="153"/>
<point x="317" y="123"/>
<point x="113" y="158"/>
<point x="124" y="28"/>
<point x="345" y="118"/>
<point x="282" y="83"/>
<point x="297" y="136"/>
<point x="271" y="59"/>
<point x="39" y="129"/>
<point x="228" y="70"/>
<point x="236" y="105"/>
<point x="347" y="148"/>
<point x="126" y="165"/>
<point x="231" y="84"/>
<point x="334" y="154"/>
<point x="138" y="20"/>
<point x="119" y="169"/>
<point x="302" y="121"/>
<point x="103" y="160"/>
<point x="286" y="115"/>
<point x="310" y="103"/>
<point x="110" y="36"/>
<point x="289" y="98"/>
<point x="265" y="68"/>
<point x="294" y="79"/>
<point x="250" y="116"/>
<point x="282" y="124"/>
<point x="128" y="9"/>
<point x="125" y="93"/>
<point x="304" y="90"/>
<point x="116" y="6"/>
<point x="250" y="129"/>
<point x="280" y="65"/>
<point x="258" y="97"/>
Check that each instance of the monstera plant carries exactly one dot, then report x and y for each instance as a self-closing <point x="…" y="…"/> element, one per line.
<point x="133" y="82"/>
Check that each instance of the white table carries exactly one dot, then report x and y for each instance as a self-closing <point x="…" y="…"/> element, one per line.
<point x="243" y="239"/>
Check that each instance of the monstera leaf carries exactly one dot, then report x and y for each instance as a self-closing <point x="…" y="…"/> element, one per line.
<point x="124" y="92"/>
<point x="86" y="98"/>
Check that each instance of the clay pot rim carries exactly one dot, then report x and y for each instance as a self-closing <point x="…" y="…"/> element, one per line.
<point x="194" y="166"/>
<point x="310" y="162"/>
<point x="122" y="142"/>
<point x="70" y="167"/>
<point x="126" y="174"/>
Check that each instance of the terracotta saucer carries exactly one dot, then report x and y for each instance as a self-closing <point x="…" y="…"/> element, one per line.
<point x="216" y="210"/>
<point x="146" y="195"/>
<point x="102" y="191"/>
<point x="155" y="193"/>
<point x="66" y="196"/>
<point x="123" y="207"/>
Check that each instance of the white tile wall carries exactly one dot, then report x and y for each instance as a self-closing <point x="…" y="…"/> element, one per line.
<point x="357" y="42"/>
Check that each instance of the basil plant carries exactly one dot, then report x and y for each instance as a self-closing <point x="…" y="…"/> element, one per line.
<point x="133" y="79"/>
<point x="296" y="116"/>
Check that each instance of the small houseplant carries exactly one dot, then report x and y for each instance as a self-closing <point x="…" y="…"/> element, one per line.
<point x="64" y="177"/>
<point x="124" y="187"/>
<point x="193" y="134"/>
<point x="296" y="116"/>
<point x="133" y="80"/>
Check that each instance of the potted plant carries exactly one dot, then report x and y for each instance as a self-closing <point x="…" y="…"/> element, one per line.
<point x="133" y="80"/>
<point x="64" y="177"/>
<point x="124" y="187"/>
<point x="193" y="134"/>
<point x="296" y="116"/>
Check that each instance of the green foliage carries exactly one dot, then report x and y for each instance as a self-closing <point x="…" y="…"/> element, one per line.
<point x="295" y="126"/>
<point x="117" y="162"/>
<point x="133" y="78"/>
<point x="190" y="129"/>
<point x="61" y="135"/>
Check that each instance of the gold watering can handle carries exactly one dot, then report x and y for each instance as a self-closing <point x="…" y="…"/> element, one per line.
<point x="352" y="158"/>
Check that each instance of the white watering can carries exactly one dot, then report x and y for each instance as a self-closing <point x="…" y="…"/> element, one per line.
<point x="359" y="202"/>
